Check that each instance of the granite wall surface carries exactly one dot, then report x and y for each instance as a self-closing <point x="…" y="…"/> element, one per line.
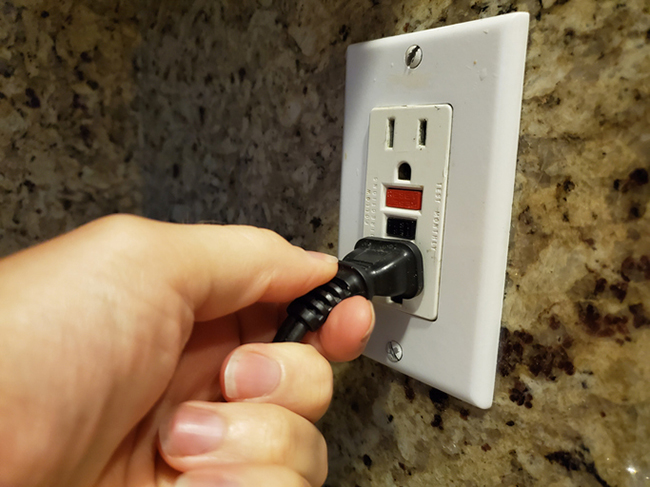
<point x="67" y="129"/>
<point x="232" y="112"/>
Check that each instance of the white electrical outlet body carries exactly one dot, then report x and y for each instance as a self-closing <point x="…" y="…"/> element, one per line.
<point x="418" y="137"/>
<point x="476" y="69"/>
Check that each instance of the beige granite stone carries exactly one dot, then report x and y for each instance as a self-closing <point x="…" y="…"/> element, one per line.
<point x="233" y="112"/>
<point x="67" y="133"/>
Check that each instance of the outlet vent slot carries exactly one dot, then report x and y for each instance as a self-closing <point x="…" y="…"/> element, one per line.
<point x="390" y="133"/>
<point x="422" y="132"/>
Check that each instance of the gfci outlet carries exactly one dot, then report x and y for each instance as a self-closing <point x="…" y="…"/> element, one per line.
<point x="406" y="187"/>
<point x="429" y="156"/>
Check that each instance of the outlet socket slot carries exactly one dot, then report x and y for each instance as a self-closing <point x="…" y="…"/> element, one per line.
<point x="390" y="133"/>
<point x="422" y="133"/>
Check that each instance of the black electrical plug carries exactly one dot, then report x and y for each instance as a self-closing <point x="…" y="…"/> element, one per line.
<point x="376" y="267"/>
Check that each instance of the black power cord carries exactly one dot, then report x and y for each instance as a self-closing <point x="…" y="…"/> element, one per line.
<point x="376" y="267"/>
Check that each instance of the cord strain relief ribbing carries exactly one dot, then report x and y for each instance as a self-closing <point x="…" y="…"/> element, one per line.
<point x="313" y="308"/>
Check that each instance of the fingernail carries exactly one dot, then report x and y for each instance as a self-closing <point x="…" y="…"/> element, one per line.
<point x="250" y="374"/>
<point x="330" y="259"/>
<point x="366" y="337"/>
<point x="186" y="481"/>
<point x="192" y="431"/>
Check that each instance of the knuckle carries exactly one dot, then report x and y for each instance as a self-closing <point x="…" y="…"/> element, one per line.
<point x="112" y="223"/>
<point x="123" y="234"/>
<point x="284" y="435"/>
<point x="320" y="363"/>
<point x="294" y="437"/>
<point x="118" y="228"/>
<point x="275" y="241"/>
<point x="273" y="236"/>
<point x="290" y="432"/>
<point x="307" y="371"/>
<point x="321" y="456"/>
<point x="256" y="233"/>
<point x="322" y="373"/>
<point x="284" y="476"/>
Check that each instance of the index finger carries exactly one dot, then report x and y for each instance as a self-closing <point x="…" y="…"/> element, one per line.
<point x="222" y="269"/>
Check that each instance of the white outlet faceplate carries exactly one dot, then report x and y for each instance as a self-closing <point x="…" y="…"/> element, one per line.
<point x="476" y="71"/>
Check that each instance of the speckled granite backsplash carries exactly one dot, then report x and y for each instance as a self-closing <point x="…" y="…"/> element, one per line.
<point x="67" y="128"/>
<point x="233" y="112"/>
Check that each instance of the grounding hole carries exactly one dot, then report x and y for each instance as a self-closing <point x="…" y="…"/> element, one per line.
<point x="404" y="171"/>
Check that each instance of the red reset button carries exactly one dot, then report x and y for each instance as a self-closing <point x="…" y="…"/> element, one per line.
<point x="407" y="199"/>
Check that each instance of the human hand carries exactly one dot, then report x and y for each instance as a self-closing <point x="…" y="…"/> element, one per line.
<point x="127" y="330"/>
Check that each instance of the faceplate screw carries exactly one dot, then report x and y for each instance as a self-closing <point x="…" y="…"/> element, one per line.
<point x="394" y="351"/>
<point x="413" y="56"/>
